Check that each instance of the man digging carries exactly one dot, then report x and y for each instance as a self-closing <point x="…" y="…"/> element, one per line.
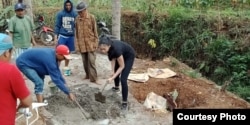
<point x="35" y="63"/>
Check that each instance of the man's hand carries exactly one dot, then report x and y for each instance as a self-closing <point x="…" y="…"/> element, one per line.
<point x="72" y="97"/>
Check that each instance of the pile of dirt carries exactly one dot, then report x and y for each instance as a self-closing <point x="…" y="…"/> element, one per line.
<point x="193" y="92"/>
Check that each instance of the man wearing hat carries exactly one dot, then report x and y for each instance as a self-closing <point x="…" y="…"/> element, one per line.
<point x="12" y="85"/>
<point x="87" y="40"/>
<point x="35" y="63"/>
<point x="20" y="29"/>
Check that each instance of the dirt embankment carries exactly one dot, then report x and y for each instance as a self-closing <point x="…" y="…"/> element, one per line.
<point x="193" y="92"/>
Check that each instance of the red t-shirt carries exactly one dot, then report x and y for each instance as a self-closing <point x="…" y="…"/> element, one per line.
<point x="12" y="86"/>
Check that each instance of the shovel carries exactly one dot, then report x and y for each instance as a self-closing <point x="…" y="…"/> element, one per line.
<point x="99" y="97"/>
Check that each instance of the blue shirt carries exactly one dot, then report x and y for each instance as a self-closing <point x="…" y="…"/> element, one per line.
<point x="44" y="62"/>
<point x="65" y="21"/>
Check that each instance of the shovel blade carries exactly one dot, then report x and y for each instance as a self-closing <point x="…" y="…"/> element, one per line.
<point x="100" y="98"/>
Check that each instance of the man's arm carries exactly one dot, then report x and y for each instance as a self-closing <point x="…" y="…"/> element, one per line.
<point x="58" y="23"/>
<point x="95" y="28"/>
<point x="57" y="77"/>
<point x="11" y="28"/>
<point x="121" y="64"/>
<point x="113" y="66"/>
<point x="11" y="35"/>
<point x="32" y="28"/>
<point x="25" y="102"/>
<point x="33" y="41"/>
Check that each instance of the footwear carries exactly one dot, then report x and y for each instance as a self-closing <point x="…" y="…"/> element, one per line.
<point x="45" y="114"/>
<point x="124" y="106"/>
<point x="66" y="71"/>
<point x="115" y="89"/>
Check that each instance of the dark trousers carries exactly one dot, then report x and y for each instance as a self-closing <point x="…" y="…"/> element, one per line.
<point x="88" y="60"/>
<point x="124" y="76"/>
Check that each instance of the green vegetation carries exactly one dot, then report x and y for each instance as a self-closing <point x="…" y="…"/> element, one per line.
<point x="211" y="36"/>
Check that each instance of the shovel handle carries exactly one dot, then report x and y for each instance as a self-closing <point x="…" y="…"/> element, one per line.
<point x="82" y="110"/>
<point x="104" y="86"/>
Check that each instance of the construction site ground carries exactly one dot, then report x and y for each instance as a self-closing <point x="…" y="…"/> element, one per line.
<point x="192" y="93"/>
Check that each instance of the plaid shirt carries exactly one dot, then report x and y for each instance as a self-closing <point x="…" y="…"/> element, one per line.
<point x="86" y="34"/>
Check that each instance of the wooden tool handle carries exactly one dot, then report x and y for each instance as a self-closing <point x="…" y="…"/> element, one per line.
<point x="82" y="110"/>
<point x="104" y="86"/>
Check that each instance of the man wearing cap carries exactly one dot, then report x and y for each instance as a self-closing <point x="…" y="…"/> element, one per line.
<point x="35" y="63"/>
<point x="87" y="40"/>
<point x="12" y="85"/>
<point x="20" y="29"/>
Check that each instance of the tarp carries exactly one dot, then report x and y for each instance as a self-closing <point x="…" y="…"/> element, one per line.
<point x="142" y="77"/>
<point x="151" y="72"/>
<point x="155" y="102"/>
<point x="160" y="73"/>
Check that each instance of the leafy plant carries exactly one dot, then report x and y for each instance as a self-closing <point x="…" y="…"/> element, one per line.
<point x="4" y="16"/>
<point x="193" y="73"/>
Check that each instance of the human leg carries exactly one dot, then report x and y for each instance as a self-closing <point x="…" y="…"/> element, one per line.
<point x="92" y="66"/>
<point x="85" y="64"/>
<point x="63" y="41"/>
<point x="124" y="84"/>
<point x="38" y="80"/>
<point x="117" y="79"/>
<point x="70" y="44"/>
<point x="33" y="76"/>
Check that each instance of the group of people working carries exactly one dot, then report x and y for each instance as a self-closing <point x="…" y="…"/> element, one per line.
<point x="76" y="31"/>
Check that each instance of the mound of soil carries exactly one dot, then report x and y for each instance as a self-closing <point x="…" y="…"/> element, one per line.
<point x="192" y="92"/>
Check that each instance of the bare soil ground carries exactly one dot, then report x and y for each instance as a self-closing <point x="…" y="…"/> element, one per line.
<point x="109" y="113"/>
<point x="193" y="93"/>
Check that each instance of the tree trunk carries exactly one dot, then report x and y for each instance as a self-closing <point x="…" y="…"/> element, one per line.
<point x="29" y="12"/>
<point x="6" y="3"/>
<point x="116" y="18"/>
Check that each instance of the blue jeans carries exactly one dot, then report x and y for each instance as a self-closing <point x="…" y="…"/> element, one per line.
<point x="37" y="79"/>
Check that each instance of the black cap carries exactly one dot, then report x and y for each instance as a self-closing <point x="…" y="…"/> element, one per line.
<point x="19" y="6"/>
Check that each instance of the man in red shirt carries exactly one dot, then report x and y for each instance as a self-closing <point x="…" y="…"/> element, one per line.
<point x="12" y="85"/>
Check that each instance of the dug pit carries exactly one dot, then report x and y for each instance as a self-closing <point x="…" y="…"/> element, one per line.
<point x="85" y="96"/>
